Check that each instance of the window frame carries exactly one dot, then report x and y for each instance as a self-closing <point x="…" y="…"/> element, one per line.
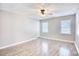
<point x="65" y="27"/>
<point x="43" y="29"/>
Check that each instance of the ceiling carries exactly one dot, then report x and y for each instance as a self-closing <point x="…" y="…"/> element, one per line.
<point x="33" y="9"/>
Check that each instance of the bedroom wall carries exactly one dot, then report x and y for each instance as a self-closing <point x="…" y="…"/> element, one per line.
<point x="54" y="28"/>
<point x="15" y="28"/>
<point x="77" y="31"/>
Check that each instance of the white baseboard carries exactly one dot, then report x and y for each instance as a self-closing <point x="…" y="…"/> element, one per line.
<point x="76" y="47"/>
<point x="58" y="39"/>
<point x="17" y="43"/>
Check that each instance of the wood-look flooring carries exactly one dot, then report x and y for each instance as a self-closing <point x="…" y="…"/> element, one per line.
<point x="41" y="47"/>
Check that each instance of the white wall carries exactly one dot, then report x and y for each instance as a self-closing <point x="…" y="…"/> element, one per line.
<point x="54" y="28"/>
<point x="77" y="30"/>
<point x="15" y="28"/>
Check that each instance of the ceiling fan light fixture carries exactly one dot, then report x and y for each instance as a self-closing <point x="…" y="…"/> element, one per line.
<point x="43" y="11"/>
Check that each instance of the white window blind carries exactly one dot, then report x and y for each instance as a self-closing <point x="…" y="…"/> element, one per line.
<point x="44" y="27"/>
<point x="66" y="26"/>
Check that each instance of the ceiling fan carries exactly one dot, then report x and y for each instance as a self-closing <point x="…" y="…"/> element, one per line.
<point x="44" y="11"/>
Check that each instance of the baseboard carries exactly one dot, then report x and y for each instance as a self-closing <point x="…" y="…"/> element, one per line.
<point x="58" y="39"/>
<point x="76" y="47"/>
<point x="14" y="44"/>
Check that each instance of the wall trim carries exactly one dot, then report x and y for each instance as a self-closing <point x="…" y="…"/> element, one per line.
<point x="76" y="47"/>
<point x="17" y="43"/>
<point x="58" y="39"/>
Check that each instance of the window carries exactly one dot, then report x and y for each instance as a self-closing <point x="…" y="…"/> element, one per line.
<point x="66" y="26"/>
<point x="44" y="27"/>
